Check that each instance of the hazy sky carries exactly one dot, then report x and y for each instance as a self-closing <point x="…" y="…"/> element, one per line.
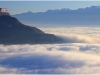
<point x="15" y="7"/>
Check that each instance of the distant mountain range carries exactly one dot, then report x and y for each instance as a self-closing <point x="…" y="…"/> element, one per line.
<point x="82" y="16"/>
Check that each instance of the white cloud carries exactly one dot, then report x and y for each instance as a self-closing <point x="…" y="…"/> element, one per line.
<point x="56" y="58"/>
<point x="67" y="58"/>
<point x="76" y="34"/>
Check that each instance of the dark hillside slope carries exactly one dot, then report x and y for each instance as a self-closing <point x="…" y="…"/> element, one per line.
<point x="13" y="31"/>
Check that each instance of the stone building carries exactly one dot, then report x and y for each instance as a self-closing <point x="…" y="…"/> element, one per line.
<point x="3" y="10"/>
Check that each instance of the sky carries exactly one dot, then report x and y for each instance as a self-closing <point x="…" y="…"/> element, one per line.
<point x="17" y="7"/>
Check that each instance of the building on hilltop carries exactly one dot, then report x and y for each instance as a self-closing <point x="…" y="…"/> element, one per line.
<point x="3" y="11"/>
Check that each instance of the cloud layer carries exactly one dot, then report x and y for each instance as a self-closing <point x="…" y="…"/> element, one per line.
<point x="76" y="34"/>
<point x="50" y="59"/>
<point x="68" y="58"/>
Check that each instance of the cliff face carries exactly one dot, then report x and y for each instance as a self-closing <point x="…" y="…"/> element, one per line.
<point x="13" y="31"/>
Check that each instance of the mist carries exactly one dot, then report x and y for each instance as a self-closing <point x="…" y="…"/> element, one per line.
<point x="81" y="55"/>
<point x="76" y="34"/>
<point x="50" y="59"/>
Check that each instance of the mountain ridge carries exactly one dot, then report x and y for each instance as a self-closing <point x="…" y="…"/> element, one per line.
<point x="81" y="16"/>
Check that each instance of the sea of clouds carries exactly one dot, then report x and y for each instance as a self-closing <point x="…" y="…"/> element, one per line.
<point x="80" y="56"/>
<point x="76" y="34"/>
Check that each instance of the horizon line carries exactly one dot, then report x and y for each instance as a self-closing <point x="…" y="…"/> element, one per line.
<point x="57" y="9"/>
